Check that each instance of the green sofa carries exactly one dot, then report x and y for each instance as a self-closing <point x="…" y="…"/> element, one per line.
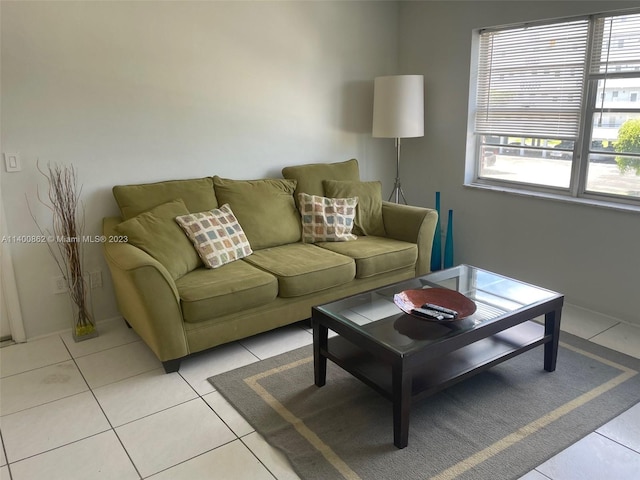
<point x="179" y="307"/>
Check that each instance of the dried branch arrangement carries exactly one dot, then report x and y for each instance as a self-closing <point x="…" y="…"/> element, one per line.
<point x="65" y="241"/>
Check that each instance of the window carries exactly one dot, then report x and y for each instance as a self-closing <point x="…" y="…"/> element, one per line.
<point x="554" y="109"/>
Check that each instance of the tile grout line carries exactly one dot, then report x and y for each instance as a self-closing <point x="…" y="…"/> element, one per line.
<point x="238" y="437"/>
<point x="4" y="450"/>
<point x="198" y="395"/>
<point x="112" y="428"/>
<point x="255" y="455"/>
<point x="49" y="401"/>
<point x="190" y="458"/>
<point x="57" y="448"/>
<point x="603" y="331"/>
<point x="539" y="472"/>
<point x="616" y="441"/>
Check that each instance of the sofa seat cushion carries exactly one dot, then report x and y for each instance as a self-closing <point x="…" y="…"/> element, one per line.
<point x="302" y="268"/>
<point x="375" y="255"/>
<point x="207" y="293"/>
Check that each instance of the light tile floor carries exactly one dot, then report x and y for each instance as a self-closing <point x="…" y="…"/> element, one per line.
<point x="105" y="409"/>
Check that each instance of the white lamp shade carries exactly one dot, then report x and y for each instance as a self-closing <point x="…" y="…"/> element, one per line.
<point x="398" y="106"/>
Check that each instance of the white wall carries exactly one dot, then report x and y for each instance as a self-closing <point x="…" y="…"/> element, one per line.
<point x="133" y="92"/>
<point x="143" y="91"/>
<point x="590" y="254"/>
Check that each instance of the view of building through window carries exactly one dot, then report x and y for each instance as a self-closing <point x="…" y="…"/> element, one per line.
<point x="550" y="117"/>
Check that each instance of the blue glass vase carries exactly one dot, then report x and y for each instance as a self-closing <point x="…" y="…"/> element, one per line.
<point x="436" y="250"/>
<point x="448" y="244"/>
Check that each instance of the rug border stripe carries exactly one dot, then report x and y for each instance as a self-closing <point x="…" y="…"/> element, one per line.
<point x="308" y="434"/>
<point x="463" y="466"/>
<point x="532" y="427"/>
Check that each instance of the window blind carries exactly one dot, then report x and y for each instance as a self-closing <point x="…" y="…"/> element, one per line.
<point x="530" y="80"/>
<point x="616" y="45"/>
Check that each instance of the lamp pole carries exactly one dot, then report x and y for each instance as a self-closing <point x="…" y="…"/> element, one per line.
<point x="397" y="187"/>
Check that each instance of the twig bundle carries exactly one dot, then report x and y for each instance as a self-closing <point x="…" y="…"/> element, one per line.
<point x="65" y="242"/>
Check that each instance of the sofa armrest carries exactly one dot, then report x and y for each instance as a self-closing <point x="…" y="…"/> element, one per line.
<point x="147" y="296"/>
<point x="412" y="224"/>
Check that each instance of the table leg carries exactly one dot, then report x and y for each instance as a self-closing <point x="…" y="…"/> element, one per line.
<point x="320" y="342"/>
<point x="551" y="327"/>
<point x="401" y="405"/>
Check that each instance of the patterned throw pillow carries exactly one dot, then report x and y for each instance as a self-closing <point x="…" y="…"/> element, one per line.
<point x="216" y="235"/>
<point x="327" y="219"/>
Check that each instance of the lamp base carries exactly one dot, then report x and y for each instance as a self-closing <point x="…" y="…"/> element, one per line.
<point x="397" y="193"/>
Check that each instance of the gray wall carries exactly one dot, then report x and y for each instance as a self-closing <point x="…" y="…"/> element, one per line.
<point x="588" y="253"/>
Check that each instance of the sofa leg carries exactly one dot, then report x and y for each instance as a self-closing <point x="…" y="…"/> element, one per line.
<point x="171" y="366"/>
<point x="306" y="322"/>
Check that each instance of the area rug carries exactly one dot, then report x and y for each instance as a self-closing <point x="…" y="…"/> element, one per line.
<point x="499" y="424"/>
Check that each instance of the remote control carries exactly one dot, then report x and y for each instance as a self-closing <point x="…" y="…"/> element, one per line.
<point x="438" y="308"/>
<point x="434" y="314"/>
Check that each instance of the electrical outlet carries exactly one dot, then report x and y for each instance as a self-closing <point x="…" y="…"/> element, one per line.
<point x="12" y="162"/>
<point x="58" y="285"/>
<point x="95" y="279"/>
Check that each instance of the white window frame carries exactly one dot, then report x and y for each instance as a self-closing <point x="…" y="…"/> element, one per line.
<point x="577" y="190"/>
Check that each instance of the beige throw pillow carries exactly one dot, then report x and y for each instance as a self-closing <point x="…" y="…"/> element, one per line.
<point x="216" y="235"/>
<point x="327" y="219"/>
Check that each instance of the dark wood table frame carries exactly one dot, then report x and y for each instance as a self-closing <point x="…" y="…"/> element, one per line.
<point x="407" y="378"/>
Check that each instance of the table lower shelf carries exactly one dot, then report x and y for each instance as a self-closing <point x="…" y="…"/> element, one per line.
<point x="443" y="371"/>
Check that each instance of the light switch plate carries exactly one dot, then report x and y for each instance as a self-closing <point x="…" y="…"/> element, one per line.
<point x="12" y="162"/>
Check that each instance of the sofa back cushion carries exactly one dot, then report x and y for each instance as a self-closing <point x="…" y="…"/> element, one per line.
<point x="157" y="233"/>
<point x="264" y="208"/>
<point x="310" y="176"/>
<point x="369" y="211"/>
<point x="197" y="194"/>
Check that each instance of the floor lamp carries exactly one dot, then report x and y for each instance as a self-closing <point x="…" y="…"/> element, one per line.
<point x="398" y="112"/>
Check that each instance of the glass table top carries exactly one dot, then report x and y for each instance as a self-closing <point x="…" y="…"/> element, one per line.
<point x="374" y="313"/>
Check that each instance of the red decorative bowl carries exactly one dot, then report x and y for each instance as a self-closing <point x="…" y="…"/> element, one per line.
<point x="410" y="299"/>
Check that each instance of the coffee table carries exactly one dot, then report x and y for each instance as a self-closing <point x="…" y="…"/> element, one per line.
<point x="406" y="358"/>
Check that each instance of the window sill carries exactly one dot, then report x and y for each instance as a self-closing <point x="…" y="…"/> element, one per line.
<point x="622" y="207"/>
